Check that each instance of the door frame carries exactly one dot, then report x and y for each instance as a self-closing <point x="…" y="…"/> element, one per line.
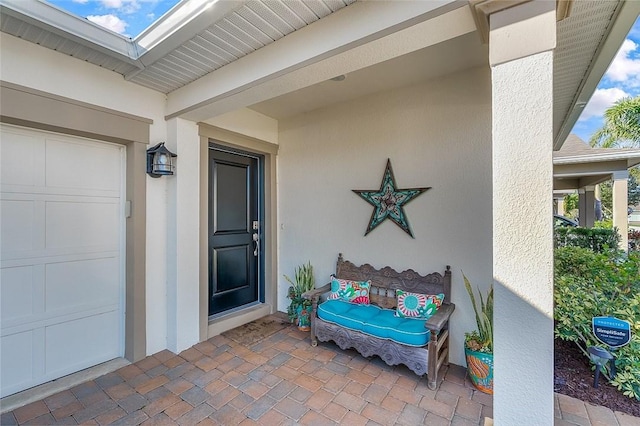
<point x="236" y="141"/>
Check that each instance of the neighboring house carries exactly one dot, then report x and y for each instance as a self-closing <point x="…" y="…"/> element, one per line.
<point x="578" y="166"/>
<point x="100" y="261"/>
<point x="634" y="218"/>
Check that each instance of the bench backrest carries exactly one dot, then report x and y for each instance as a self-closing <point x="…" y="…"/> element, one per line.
<point x="385" y="281"/>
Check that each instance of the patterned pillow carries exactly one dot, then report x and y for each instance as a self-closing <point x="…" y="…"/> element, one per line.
<point x="416" y="305"/>
<point x="350" y="291"/>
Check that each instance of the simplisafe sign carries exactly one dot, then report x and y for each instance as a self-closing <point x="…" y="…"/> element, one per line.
<point x="611" y="331"/>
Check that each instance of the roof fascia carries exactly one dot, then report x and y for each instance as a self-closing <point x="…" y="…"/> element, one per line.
<point x="50" y="18"/>
<point x="625" y="17"/>
<point x="630" y="155"/>
<point x="179" y="25"/>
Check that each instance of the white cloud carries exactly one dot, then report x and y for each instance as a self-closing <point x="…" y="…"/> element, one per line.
<point x="625" y="68"/>
<point x="81" y="1"/>
<point x="123" y="6"/>
<point x="111" y="4"/>
<point x="600" y="101"/>
<point x="110" y="22"/>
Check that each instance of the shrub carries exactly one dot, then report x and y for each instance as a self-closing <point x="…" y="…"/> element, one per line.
<point x="589" y="284"/>
<point x="596" y="239"/>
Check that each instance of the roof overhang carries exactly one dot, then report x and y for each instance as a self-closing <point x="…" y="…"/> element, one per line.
<point x="174" y="58"/>
<point x="620" y="24"/>
<point x="579" y="171"/>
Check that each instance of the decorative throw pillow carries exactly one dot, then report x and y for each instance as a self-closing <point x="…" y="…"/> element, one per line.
<point x="417" y="305"/>
<point x="350" y="291"/>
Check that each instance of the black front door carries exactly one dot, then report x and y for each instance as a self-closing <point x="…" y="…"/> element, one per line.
<point x="234" y="229"/>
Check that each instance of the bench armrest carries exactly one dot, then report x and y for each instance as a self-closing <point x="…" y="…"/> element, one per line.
<point x="439" y="320"/>
<point x="316" y="292"/>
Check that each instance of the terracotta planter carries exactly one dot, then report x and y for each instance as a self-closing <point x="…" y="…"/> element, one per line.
<point x="480" y="369"/>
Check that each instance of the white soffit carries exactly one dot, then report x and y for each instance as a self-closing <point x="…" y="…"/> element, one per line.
<point x="587" y="42"/>
<point x="46" y="25"/>
<point x="248" y="28"/>
<point x="193" y="39"/>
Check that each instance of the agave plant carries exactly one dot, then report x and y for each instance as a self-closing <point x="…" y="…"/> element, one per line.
<point x="303" y="281"/>
<point x="481" y="340"/>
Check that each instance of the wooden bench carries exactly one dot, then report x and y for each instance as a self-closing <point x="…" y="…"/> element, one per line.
<point x="428" y="359"/>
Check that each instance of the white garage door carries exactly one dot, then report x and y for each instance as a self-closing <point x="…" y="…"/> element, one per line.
<point x="62" y="279"/>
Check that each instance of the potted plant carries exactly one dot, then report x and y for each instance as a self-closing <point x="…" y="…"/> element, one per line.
<point x="478" y="344"/>
<point x="300" y="308"/>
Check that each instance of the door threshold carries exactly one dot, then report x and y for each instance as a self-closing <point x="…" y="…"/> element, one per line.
<point x="36" y="393"/>
<point x="225" y="322"/>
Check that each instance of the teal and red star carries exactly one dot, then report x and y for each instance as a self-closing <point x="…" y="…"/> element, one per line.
<point x="388" y="202"/>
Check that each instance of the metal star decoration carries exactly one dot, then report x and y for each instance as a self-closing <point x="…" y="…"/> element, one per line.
<point x="389" y="202"/>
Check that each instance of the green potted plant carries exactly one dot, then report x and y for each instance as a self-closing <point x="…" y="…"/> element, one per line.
<point x="478" y="344"/>
<point x="300" y="308"/>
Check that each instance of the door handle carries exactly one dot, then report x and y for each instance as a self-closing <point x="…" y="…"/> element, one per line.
<point x="256" y="242"/>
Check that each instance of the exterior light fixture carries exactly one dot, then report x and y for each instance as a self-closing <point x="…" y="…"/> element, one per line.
<point x="599" y="357"/>
<point x="160" y="161"/>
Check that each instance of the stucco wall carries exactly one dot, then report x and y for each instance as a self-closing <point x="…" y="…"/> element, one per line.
<point x="30" y="65"/>
<point x="436" y="134"/>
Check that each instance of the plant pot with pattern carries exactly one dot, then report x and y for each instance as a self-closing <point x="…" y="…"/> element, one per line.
<point x="299" y="310"/>
<point x="478" y="344"/>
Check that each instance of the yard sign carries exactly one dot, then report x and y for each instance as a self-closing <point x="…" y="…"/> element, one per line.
<point x="611" y="331"/>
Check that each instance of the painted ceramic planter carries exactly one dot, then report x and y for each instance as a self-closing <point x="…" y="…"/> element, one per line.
<point x="480" y="369"/>
<point x="304" y="318"/>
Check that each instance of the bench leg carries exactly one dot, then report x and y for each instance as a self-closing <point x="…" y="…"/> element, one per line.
<point x="432" y="367"/>
<point x="312" y="332"/>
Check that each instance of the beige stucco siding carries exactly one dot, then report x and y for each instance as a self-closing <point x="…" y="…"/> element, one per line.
<point x="436" y="134"/>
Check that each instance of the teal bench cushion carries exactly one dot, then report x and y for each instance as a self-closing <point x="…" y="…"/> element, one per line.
<point x="375" y="321"/>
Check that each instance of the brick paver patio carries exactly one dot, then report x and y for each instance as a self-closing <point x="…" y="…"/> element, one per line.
<point x="278" y="381"/>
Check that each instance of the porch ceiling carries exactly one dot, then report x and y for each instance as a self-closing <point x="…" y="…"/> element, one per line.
<point x="204" y="40"/>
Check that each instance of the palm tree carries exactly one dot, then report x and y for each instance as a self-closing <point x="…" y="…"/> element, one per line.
<point x="621" y="125"/>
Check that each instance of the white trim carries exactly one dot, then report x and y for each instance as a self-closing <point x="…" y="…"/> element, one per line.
<point x="593" y="158"/>
<point x="179" y="25"/>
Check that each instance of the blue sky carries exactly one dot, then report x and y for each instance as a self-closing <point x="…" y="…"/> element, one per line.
<point x="131" y="17"/>
<point x="126" y="17"/>
<point x="622" y="79"/>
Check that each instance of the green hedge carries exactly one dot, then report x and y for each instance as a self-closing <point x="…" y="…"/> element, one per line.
<point x="596" y="239"/>
<point x="589" y="284"/>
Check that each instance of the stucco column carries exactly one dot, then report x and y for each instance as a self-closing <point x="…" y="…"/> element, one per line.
<point x="521" y="40"/>
<point x="586" y="206"/>
<point x="620" y="205"/>
<point x="183" y="250"/>
<point x="560" y="206"/>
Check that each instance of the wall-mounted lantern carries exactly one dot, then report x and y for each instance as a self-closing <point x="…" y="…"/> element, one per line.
<point x="160" y="161"/>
